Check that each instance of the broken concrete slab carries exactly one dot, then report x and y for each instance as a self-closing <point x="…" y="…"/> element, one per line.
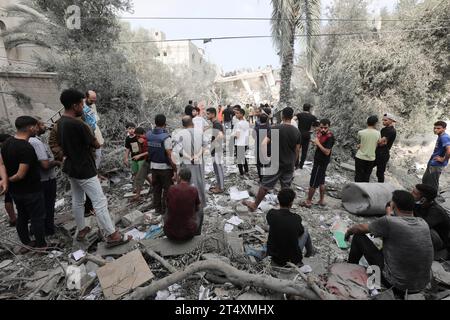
<point x="439" y="273"/>
<point x="348" y="281"/>
<point x="417" y="296"/>
<point x="348" y="166"/>
<point x="167" y="247"/>
<point x="131" y="194"/>
<point x="126" y="273"/>
<point x="317" y="265"/>
<point x="214" y="256"/>
<point x="61" y="219"/>
<point x="134" y="218"/>
<point x="367" y="199"/>
<point x="103" y="251"/>
<point x="235" y="243"/>
<point x="251" y="295"/>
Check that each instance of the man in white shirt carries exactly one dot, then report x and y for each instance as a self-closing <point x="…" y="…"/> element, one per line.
<point x="48" y="176"/>
<point x="199" y="122"/>
<point x="241" y="133"/>
<point x="190" y="145"/>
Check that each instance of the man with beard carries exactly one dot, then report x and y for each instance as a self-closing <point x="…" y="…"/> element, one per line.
<point x="47" y="165"/>
<point x="22" y="167"/>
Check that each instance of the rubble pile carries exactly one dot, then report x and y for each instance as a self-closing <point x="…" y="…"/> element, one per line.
<point x="213" y="266"/>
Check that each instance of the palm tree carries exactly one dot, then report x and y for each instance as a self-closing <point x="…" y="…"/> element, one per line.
<point x="33" y="29"/>
<point x="289" y="19"/>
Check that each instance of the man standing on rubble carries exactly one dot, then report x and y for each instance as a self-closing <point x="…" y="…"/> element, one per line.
<point x="190" y="146"/>
<point x="407" y="254"/>
<point x="324" y="143"/>
<point x="241" y="133"/>
<point x="439" y="158"/>
<point x="25" y="187"/>
<point x="76" y="142"/>
<point x="388" y="135"/>
<point x="90" y="115"/>
<point x="164" y="170"/>
<point x="48" y="176"/>
<point x="365" y="157"/>
<point x="289" y="145"/>
<point x="306" y="120"/>
<point x="217" y="151"/>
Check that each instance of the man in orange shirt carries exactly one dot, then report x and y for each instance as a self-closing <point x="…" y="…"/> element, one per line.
<point x="220" y="113"/>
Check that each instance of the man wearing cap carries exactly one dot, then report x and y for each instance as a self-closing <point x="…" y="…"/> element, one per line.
<point x="388" y="135"/>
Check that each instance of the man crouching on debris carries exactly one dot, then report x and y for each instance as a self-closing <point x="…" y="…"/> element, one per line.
<point x="287" y="236"/>
<point x="437" y="218"/>
<point x="407" y="254"/>
<point x="182" y="221"/>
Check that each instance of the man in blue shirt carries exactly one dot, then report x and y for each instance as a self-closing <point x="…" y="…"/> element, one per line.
<point x="439" y="158"/>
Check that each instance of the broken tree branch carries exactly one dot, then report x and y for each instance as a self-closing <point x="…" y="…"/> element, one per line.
<point x="235" y="276"/>
<point x="89" y="257"/>
<point x="311" y="283"/>
<point x="160" y="259"/>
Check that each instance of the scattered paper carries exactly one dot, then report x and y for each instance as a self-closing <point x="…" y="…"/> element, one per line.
<point x="237" y="195"/>
<point x="306" y="269"/>
<point x="235" y="220"/>
<point x="136" y="234"/>
<point x="203" y="293"/>
<point x="55" y="254"/>
<point x="77" y="255"/>
<point x="228" y="228"/>
<point x="5" y="263"/>
<point x="59" y="204"/>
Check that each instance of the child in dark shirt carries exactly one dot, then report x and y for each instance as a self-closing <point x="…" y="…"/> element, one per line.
<point x="287" y="236"/>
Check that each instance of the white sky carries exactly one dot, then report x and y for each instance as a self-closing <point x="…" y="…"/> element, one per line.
<point x="227" y="54"/>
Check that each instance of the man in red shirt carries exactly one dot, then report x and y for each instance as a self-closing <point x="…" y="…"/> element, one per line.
<point x="144" y="167"/>
<point x="182" y="221"/>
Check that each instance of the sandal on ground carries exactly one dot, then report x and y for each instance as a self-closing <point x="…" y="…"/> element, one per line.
<point x="83" y="233"/>
<point x="304" y="204"/>
<point x="123" y="239"/>
<point x="323" y="205"/>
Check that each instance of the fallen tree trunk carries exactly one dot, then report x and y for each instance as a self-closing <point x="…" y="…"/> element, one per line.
<point x="310" y="281"/>
<point x="235" y="276"/>
<point x="160" y="259"/>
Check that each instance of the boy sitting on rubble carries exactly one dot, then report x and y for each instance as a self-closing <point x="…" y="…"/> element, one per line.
<point x="287" y="236"/>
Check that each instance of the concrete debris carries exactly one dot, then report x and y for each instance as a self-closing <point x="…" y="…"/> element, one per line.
<point x="76" y="277"/>
<point x="103" y="251"/>
<point x="134" y="218"/>
<point x="126" y="273"/>
<point x="348" y="281"/>
<point x="166" y="247"/>
<point x="235" y="243"/>
<point x="348" y="167"/>
<point x="5" y="263"/>
<point x="367" y="198"/>
<point x="439" y="273"/>
<point x="131" y="194"/>
<point x="251" y="296"/>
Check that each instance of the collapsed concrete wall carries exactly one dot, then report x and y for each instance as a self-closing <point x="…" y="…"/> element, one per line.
<point x="26" y="93"/>
<point x="367" y="199"/>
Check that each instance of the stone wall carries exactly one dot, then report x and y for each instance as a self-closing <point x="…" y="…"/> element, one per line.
<point x="24" y="93"/>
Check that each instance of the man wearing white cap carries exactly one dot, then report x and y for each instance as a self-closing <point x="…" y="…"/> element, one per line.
<point x="388" y="135"/>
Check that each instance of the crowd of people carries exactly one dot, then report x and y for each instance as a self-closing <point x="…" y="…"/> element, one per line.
<point x="174" y="165"/>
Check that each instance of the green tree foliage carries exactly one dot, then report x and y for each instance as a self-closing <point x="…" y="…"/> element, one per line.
<point x="389" y="70"/>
